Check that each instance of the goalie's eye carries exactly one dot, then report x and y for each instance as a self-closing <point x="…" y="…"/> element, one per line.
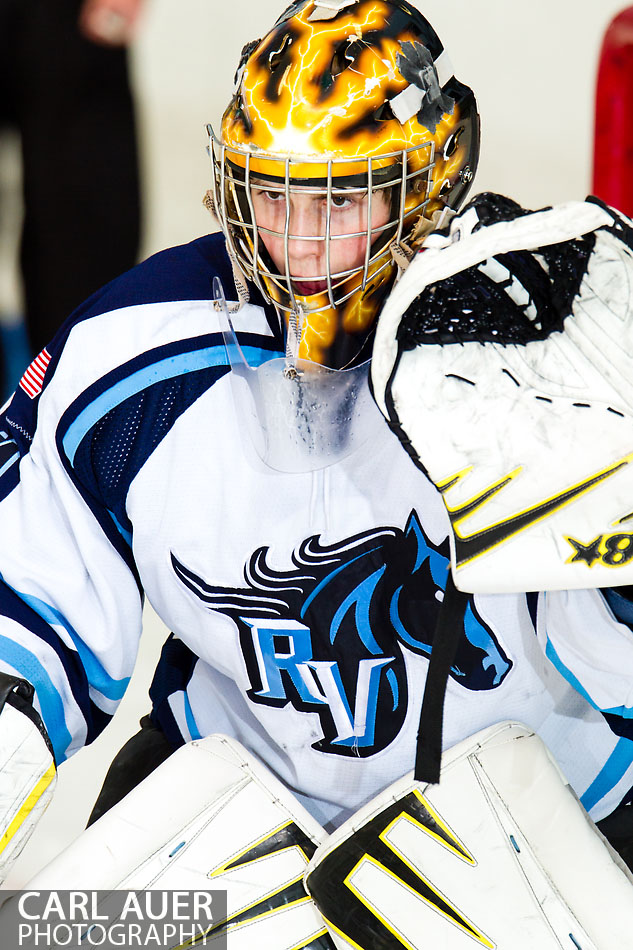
<point x="274" y="196"/>
<point x="344" y="201"/>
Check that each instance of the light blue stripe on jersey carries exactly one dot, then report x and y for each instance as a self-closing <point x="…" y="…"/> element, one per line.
<point x="611" y="773"/>
<point x="553" y="656"/>
<point x="97" y="676"/>
<point x="7" y="465"/>
<point x="125" y="534"/>
<point x="183" y="715"/>
<point x="191" y="722"/>
<point x="620" y="759"/>
<point x="168" y="368"/>
<point x="29" y="666"/>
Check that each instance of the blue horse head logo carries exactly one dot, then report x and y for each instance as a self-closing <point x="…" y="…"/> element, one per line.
<point x="331" y="633"/>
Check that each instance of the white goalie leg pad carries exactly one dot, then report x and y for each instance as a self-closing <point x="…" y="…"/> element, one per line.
<point x="27" y="774"/>
<point x="211" y="817"/>
<point x="500" y="855"/>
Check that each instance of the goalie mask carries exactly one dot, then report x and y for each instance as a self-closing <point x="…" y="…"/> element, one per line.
<point x="346" y="134"/>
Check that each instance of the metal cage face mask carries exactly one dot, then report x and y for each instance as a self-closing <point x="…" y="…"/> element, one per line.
<point x="352" y="268"/>
<point x="341" y="98"/>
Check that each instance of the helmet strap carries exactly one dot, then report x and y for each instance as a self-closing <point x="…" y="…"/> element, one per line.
<point x="239" y="277"/>
<point x="402" y="255"/>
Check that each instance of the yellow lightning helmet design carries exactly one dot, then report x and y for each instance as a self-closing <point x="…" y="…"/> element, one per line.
<point x="343" y="97"/>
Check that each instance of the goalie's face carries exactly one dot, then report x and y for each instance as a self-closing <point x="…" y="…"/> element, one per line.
<point x="317" y="248"/>
<point x="316" y="239"/>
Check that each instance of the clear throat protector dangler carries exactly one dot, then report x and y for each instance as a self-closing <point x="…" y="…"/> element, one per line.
<point x="300" y="416"/>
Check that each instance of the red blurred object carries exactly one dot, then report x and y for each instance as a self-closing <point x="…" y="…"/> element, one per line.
<point x="613" y="142"/>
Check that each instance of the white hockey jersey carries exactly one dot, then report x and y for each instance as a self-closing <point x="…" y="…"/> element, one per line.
<point x="302" y="605"/>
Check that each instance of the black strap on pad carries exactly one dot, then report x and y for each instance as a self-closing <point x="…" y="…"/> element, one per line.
<point x="450" y="624"/>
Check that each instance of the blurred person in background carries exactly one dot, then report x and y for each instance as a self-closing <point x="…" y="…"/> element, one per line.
<point x="64" y="86"/>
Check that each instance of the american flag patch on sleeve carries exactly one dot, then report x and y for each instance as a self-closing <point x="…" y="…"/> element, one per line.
<point x="33" y="378"/>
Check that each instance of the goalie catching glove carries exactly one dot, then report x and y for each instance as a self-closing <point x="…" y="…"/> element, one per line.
<point x="27" y="768"/>
<point x="503" y="359"/>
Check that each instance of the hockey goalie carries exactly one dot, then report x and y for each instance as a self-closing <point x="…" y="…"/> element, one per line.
<point x="367" y="452"/>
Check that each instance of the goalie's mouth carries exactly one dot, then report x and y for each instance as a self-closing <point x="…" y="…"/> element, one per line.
<point x="308" y="287"/>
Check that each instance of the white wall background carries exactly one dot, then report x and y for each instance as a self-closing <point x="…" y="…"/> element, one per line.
<point x="533" y="69"/>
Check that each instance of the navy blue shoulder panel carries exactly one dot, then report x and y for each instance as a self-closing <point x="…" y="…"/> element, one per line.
<point x="185" y="272"/>
<point x="106" y="436"/>
<point x="179" y="273"/>
<point x="109" y="432"/>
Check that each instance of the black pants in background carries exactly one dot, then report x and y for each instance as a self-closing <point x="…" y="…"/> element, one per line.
<point x="70" y="100"/>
